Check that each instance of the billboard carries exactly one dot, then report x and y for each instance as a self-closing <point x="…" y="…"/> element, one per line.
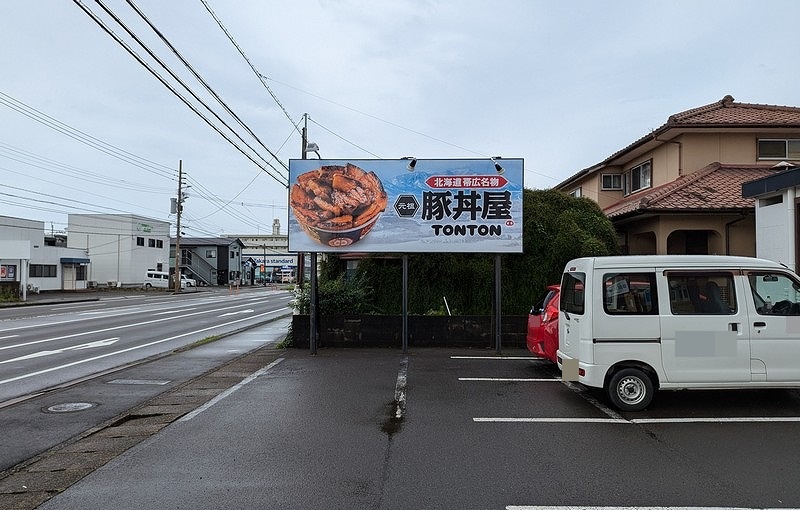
<point x="406" y="205"/>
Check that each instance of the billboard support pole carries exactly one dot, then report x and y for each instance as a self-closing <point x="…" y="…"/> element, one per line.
<point x="497" y="304"/>
<point x="405" y="304"/>
<point x="312" y="341"/>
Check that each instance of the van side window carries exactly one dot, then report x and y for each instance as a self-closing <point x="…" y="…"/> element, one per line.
<point x="572" y="293"/>
<point x="774" y="293"/>
<point x="701" y="292"/>
<point x="630" y="293"/>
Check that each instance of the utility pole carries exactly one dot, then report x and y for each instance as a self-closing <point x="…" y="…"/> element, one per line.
<point x="178" y="211"/>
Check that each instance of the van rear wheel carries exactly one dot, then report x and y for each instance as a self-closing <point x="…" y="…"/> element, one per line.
<point x="630" y="389"/>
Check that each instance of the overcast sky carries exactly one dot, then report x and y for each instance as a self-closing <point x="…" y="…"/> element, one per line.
<point x="561" y="84"/>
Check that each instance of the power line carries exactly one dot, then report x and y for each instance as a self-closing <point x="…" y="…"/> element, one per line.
<point x="195" y="96"/>
<point x="203" y="82"/>
<point x="261" y="78"/>
<point x="344" y="139"/>
<point x="80" y="136"/>
<point x="141" y="61"/>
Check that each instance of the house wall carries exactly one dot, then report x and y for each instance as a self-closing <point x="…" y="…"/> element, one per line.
<point x="773" y="223"/>
<point x="683" y="155"/>
<point x="702" y="149"/>
<point x="729" y="234"/>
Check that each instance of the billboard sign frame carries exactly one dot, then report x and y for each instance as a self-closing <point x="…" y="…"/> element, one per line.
<point x="406" y="205"/>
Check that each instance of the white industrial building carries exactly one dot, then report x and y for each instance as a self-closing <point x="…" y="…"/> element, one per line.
<point x="122" y="247"/>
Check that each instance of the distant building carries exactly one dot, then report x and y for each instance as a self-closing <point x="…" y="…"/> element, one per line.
<point x="266" y="256"/>
<point x="210" y="260"/>
<point x="122" y="247"/>
<point x="29" y="262"/>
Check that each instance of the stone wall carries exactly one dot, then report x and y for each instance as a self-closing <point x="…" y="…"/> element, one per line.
<point x="423" y="331"/>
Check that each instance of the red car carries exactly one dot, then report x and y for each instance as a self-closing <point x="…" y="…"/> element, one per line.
<point x="543" y="325"/>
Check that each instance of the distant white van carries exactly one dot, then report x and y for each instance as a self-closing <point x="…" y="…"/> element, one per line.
<point x="159" y="280"/>
<point x="635" y="324"/>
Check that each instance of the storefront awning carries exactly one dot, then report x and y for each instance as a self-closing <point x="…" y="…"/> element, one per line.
<point x="74" y="260"/>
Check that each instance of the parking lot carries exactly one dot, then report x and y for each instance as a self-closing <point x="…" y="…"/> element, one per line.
<point x="438" y="428"/>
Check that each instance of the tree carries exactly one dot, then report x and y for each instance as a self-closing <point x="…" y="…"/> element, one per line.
<point x="556" y="229"/>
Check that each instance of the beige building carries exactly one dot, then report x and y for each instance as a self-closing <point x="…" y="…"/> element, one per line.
<point x="678" y="189"/>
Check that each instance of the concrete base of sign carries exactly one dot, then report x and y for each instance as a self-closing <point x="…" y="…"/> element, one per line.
<point x="423" y="331"/>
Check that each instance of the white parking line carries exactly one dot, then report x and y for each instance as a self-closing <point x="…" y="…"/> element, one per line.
<point x="738" y="419"/>
<point x="400" y="389"/>
<point x="500" y="357"/>
<point x="508" y="379"/>
<point x="584" y="507"/>
<point x="639" y="421"/>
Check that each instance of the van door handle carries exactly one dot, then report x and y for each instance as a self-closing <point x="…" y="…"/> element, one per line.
<point x="759" y="324"/>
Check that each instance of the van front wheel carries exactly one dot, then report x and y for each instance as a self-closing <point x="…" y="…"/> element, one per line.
<point x="630" y="389"/>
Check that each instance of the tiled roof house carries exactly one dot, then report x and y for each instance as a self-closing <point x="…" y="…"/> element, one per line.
<point x="678" y="189"/>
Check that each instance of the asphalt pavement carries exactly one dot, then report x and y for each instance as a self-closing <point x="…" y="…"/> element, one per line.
<point x="380" y="429"/>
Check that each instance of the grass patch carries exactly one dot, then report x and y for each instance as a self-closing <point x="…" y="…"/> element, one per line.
<point x="198" y="343"/>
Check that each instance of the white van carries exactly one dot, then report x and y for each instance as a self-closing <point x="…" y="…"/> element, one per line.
<point x="159" y="280"/>
<point x="635" y="324"/>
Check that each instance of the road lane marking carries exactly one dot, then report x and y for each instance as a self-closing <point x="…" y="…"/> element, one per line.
<point x="229" y="391"/>
<point x="238" y="312"/>
<point x="8" y="336"/>
<point x="169" y="312"/>
<point x="109" y="312"/>
<point x="136" y="347"/>
<point x="113" y="328"/>
<point x="508" y="379"/>
<point x="40" y="354"/>
<point x="119" y="313"/>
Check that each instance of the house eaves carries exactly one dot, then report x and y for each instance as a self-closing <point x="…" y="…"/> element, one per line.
<point x="715" y="189"/>
<point x="725" y="114"/>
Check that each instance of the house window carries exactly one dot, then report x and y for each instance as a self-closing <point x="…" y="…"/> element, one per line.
<point x="211" y="254"/>
<point x="779" y="149"/>
<point x="637" y="178"/>
<point x="575" y="193"/>
<point x="42" y="271"/>
<point x="140" y="241"/>
<point x="159" y="243"/>
<point x="151" y="243"/>
<point x="611" y="181"/>
<point x="80" y="273"/>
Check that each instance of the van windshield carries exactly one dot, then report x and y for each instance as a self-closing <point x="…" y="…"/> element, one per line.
<point x="774" y="293"/>
<point x="572" y="293"/>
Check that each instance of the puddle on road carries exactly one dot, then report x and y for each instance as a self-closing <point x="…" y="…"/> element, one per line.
<point x="394" y="419"/>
